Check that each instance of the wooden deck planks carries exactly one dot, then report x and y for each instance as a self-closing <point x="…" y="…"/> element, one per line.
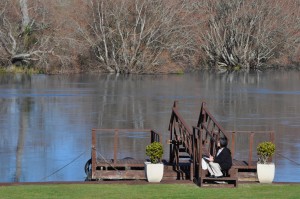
<point x="120" y="163"/>
<point x="241" y="164"/>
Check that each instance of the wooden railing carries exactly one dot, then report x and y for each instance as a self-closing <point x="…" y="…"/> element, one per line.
<point x="211" y="128"/>
<point x="252" y="139"/>
<point x="180" y="135"/>
<point x="116" y="133"/>
<point x="202" y="140"/>
<point x="205" y="137"/>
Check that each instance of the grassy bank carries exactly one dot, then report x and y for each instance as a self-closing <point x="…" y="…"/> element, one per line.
<point x="73" y="191"/>
<point x="21" y="69"/>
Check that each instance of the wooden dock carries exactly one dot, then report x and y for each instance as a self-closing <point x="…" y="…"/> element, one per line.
<point x="187" y="145"/>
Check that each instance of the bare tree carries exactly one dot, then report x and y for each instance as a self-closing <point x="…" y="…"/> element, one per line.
<point x="290" y="54"/>
<point x="148" y="36"/>
<point x="136" y="36"/>
<point x="25" y="15"/>
<point x="22" y="43"/>
<point x="8" y="42"/>
<point x="244" y="34"/>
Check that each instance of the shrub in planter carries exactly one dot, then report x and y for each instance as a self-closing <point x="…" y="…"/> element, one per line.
<point x="154" y="169"/>
<point x="265" y="150"/>
<point x="265" y="169"/>
<point x="155" y="152"/>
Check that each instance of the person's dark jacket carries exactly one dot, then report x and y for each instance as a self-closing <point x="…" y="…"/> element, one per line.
<point x="224" y="159"/>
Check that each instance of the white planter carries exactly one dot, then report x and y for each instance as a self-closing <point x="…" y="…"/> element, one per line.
<point x="154" y="172"/>
<point x="265" y="172"/>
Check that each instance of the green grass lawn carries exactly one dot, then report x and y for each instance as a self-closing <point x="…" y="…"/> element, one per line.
<point x="121" y="191"/>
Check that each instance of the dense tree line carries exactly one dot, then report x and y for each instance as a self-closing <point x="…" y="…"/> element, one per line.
<point x="148" y="36"/>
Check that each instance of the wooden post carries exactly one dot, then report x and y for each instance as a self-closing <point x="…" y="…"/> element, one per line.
<point x="94" y="155"/>
<point x="152" y="139"/>
<point x="272" y="138"/>
<point x="200" y="152"/>
<point x="194" y="158"/>
<point x="250" y="148"/>
<point x="175" y="105"/>
<point x="116" y="146"/>
<point x="171" y="154"/>
<point x="232" y="144"/>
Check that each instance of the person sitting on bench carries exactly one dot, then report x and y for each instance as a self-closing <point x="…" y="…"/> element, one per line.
<point x="221" y="162"/>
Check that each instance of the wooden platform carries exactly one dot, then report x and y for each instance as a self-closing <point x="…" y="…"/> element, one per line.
<point x="131" y="169"/>
<point x="186" y="148"/>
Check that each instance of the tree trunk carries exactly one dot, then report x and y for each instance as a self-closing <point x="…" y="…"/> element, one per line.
<point x="25" y="16"/>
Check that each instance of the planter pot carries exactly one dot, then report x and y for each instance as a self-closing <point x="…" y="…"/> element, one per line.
<point x="154" y="172"/>
<point x="265" y="172"/>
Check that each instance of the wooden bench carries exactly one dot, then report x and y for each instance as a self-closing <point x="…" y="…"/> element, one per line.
<point x="230" y="178"/>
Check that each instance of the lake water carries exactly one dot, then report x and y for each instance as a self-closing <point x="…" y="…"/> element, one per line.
<point x="46" y="121"/>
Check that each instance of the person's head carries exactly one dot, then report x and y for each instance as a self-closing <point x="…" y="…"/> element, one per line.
<point x="223" y="142"/>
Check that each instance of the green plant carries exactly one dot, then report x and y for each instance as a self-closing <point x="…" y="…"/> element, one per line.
<point x="155" y="152"/>
<point x="265" y="150"/>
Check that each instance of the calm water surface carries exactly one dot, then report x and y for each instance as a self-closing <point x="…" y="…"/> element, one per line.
<point x="46" y="121"/>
